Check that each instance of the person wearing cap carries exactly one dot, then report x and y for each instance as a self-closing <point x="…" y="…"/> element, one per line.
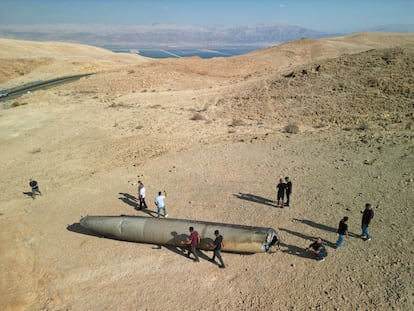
<point x="342" y="232"/>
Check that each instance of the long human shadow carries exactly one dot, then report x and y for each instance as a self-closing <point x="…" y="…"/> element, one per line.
<point x="132" y="201"/>
<point x="31" y="194"/>
<point x="323" y="227"/>
<point x="255" y="198"/>
<point x="298" y="234"/>
<point x="307" y="237"/>
<point x="129" y="199"/>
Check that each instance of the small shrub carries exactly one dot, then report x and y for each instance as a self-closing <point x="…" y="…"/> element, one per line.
<point x="17" y="104"/>
<point x="237" y="122"/>
<point x="197" y="117"/>
<point x="364" y="126"/>
<point x="291" y="128"/>
<point x="319" y="125"/>
<point x="112" y="105"/>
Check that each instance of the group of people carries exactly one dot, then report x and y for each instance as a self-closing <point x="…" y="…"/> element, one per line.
<point x="194" y="239"/>
<point x="159" y="200"/>
<point x="284" y="188"/>
<point x="319" y="249"/>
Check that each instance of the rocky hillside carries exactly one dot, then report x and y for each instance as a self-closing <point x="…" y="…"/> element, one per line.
<point x="374" y="88"/>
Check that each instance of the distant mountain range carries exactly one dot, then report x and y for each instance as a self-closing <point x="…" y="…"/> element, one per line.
<point x="159" y="35"/>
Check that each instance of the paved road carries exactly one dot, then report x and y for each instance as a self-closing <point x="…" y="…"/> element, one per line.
<point x="16" y="92"/>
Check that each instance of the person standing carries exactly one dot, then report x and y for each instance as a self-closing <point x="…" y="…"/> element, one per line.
<point x="367" y="216"/>
<point x="281" y="186"/>
<point x="160" y="203"/>
<point x="288" y="190"/>
<point x="318" y="249"/>
<point x="192" y="242"/>
<point x="218" y="245"/>
<point x="342" y="232"/>
<point x="141" y="195"/>
<point x="35" y="188"/>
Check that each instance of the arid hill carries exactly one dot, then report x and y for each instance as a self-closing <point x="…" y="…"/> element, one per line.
<point x="335" y="115"/>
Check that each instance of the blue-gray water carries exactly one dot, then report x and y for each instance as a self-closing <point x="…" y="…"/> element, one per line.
<point x="177" y="53"/>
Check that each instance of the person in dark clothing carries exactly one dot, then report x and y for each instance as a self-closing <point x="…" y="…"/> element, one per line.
<point x="342" y="232"/>
<point x="218" y="245"/>
<point x="318" y="249"/>
<point x="35" y="188"/>
<point x="367" y="216"/>
<point x="288" y="190"/>
<point x="281" y="186"/>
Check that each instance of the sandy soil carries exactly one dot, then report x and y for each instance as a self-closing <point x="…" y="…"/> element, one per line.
<point x="213" y="133"/>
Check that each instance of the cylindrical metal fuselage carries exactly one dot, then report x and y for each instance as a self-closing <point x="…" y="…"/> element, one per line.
<point x="168" y="231"/>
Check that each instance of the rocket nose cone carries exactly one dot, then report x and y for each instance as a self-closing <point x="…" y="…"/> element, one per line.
<point x="84" y="222"/>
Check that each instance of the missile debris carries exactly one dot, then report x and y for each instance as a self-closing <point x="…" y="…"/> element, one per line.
<point x="168" y="231"/>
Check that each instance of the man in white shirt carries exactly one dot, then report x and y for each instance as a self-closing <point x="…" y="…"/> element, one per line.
<point x="160" y="203"/>
<point x="141" y="195"/>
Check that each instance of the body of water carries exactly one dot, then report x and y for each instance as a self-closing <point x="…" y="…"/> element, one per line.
<point x="178" y="53"/>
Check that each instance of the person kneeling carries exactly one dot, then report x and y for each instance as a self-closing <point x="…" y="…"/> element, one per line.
<point x="318" y="249"/>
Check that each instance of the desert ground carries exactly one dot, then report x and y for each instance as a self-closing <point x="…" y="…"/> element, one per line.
<point x="335" y="115"/>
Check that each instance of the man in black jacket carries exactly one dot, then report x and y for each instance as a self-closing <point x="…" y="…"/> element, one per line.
<point x="342" y="232"/>
<point x="218" y="245"/>
<point x="367" y="216"/>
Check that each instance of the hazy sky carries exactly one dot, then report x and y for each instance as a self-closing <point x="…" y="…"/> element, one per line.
<point x="326" y="15"/>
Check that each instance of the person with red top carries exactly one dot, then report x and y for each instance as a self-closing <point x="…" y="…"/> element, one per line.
<point x="193" y="242"/>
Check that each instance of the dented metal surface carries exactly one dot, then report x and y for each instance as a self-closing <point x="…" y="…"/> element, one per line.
<point x="167" y="231"/>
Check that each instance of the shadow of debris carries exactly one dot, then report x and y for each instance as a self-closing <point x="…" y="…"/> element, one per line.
<point x="255" y="198"/>
<point x="183" y="251"/>
<point x="77" y="228"/>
